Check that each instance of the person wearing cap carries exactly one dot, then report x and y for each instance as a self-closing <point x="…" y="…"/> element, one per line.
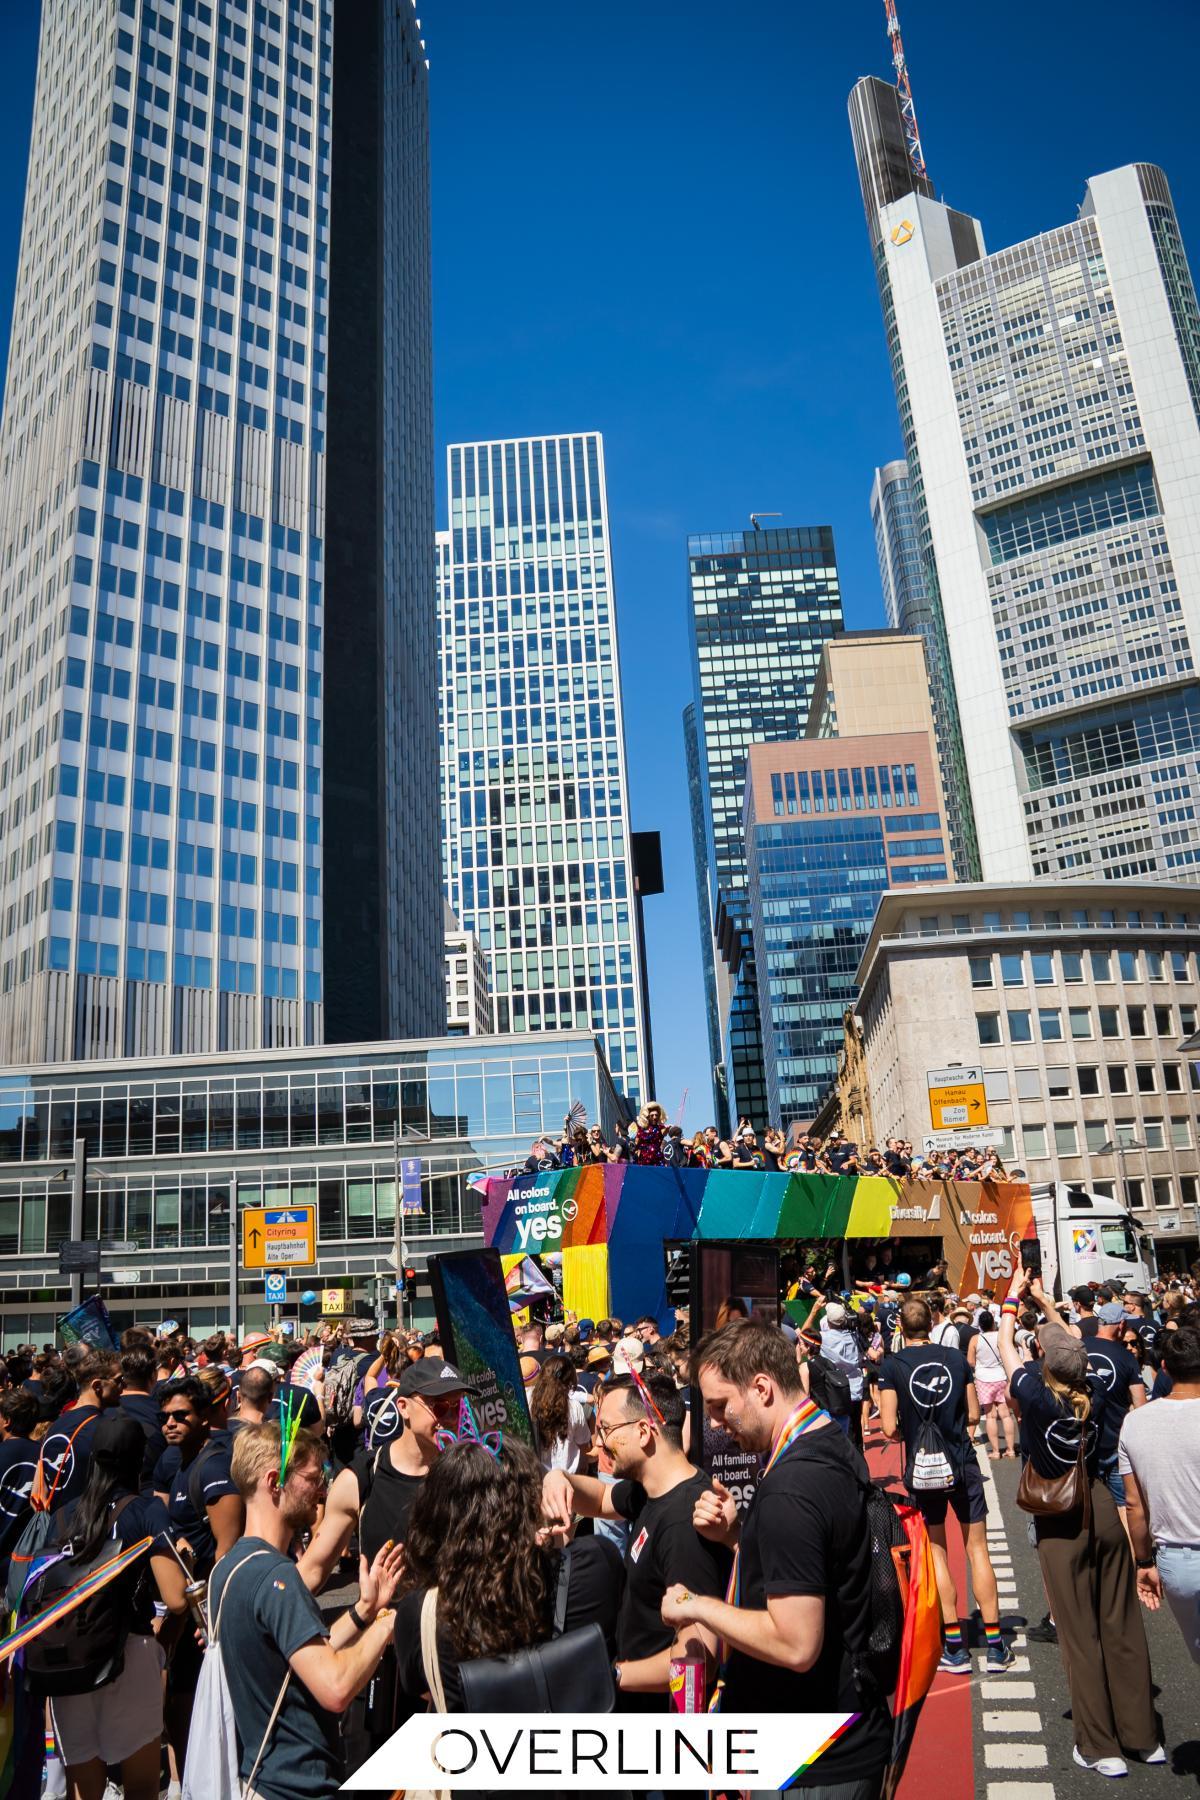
<point x="1084" y="1300"/>
<point x="596" y="1368"/>
<point x="376" y="1493"/>
<point x="629" y="1353"/>
<point x="120" y="1722"/>
<point x="1120" y="1374"/>
<point x="1084" y="1554"/>
<point x="842" y="1346"/>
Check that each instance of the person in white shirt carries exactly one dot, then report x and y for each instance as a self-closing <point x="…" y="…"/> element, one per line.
<point x="1157" y="1457"/>
<point x="561" y="1430"/>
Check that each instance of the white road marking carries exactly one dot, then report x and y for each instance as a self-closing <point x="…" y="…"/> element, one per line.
<point x="1015" y="1756"/>
<point x="1012" y="1721"/>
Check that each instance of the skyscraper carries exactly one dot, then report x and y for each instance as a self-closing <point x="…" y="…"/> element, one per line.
<point x="1050" y="395"/>
<point x="538" y="859"/>
<point x="761" y="605"/>
<point x="716" y="1060"/>
<point x="831" y="823"/>
<point x="214" y="808"/>
<point x="898" y="548"/>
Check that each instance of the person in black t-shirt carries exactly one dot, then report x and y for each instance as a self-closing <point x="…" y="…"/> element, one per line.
<point x="477" y="1522"/>
<point x="798" y="1632"/>
<point x="67" y="1446"/>
<point x="137" y="1379"/>
<point x="1085" y="1301"/>
<point x="1120" y="1374"/>
<point x="933" y="1384"/>
<point x="18" y="1466"/>
<point x="656" y="1490"/>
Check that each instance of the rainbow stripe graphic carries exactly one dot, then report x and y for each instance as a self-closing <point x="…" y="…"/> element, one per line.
<point x="820" y="1751"/>
<point x="66" y="1603"/>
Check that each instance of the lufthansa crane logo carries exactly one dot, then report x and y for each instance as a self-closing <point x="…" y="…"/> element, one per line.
<point x="902" y="232"/>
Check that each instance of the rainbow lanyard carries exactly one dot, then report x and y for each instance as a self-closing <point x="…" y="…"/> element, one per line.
<point x="808" y="1416"/>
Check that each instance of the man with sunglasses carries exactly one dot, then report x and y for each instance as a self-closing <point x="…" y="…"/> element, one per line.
<point x="656" y="1490"/>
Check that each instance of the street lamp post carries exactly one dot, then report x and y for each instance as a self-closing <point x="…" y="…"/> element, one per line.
<point x="1120" y="1147"/>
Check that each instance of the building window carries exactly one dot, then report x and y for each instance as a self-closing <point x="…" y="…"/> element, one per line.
<point x="1162" y="1021"/>
<point x="1181" y="1133"/>
<point x="1012" y="970"/>
<point x="1058" y="1083"/>
<point x="1089" y="1078"/>
<point x="1155" y="969"/>
<point x="1007" y="1146"/>
<point x="1072" y="965"/>
<point x="1029" y="1084"/>
<point x="1172" y="1078"/>
<point x="1034" y="1139"/>
<point x="1187" y="1021"/>
<point x="1164" y="1193"/>
<point x="1179" y="965"/>
<point x="1043" y="968"/>
<point x="981" y="971"/>
<point x="1189" y="1190"/>
<point x="1101" y="965"/>
<point x="1137" y="1021"/>
<point x="1135" y="1194"/>
<point x="1095" y="1135"/>
<point x="1020" y="1028"/>
<point x="1081" y="1021"/>
<point x="1152" y="1134"/>
<point x="988" y="1027"/>
<point x="1118" y="1078"/>
<point x="1128" y="963"/>
<point x="1050" y="1024"/>
<point x="1066" y="1138"/>
<point x="1147" y="1082"/>
<point x="1110" y="1022"/>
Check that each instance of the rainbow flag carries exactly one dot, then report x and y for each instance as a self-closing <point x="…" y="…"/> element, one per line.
<point x="67" y="1603"/>
<point x="921" y="1644"/>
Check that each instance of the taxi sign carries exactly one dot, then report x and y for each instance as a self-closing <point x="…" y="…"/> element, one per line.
<point x="279" y="1237"/>
<point x="333" y="1302"/>
<point x="956" y="1098"/>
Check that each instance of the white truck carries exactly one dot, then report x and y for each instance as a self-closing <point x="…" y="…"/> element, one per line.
<point x="1088" y="1237"/>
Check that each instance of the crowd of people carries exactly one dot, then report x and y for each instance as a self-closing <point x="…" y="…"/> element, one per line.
<point x="651" y="1141"/>
<point x="270" y="1473"/>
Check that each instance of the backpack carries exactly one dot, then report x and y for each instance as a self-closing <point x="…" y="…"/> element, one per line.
<point x="880" y="1664"/>
<point x="931" y="1471"/>
<point x="38" y="1530"/>
<point x="570" y="1673"/>
<point x="340" y="1383"/>
<point x="211" y="1769"/>
<point x="85" y="1649"/>
<point x="829" y="1387"/>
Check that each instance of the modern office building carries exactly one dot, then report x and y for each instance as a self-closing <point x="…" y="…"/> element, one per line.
<point x="537" y="851"/>
<point x="898" y="547"/>
<point x="468" y="992"/>
<point x="1050" y="403"/>
<point x="1075" y="1000"/>
<point x="178" y="1148"/>
<point x="213" y="805"/>
<point x="831" y="823"/>
<point x="713" y="970"/>
<point x="762" y="604"/>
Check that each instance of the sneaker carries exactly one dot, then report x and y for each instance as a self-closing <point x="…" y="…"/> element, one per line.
<point x="955" y="1662"/>
<point x="1044" y="1632"/>
<point x="1111" y="1766"/>
<point x="1157" y="1755"/>
<point x="999" y="1658"/>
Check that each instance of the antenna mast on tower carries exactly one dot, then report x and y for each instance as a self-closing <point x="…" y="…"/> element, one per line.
<point x="908" y="112"/>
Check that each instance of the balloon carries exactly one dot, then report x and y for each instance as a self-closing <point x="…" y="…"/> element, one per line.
<point x="308" y="1298"/>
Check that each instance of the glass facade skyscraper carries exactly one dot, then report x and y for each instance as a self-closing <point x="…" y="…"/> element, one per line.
<point x="183" y="814"/>
<point x="761" y="606"/>
<point x="1053" y="441"/>
<point x="538" y="857"/>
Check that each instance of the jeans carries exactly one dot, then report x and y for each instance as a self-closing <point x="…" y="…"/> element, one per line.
<point x="1179" y="1568"/>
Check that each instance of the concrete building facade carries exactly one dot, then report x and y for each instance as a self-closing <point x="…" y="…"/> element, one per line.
<point x="468" y="992"/>
<point x="1074" y="999"/>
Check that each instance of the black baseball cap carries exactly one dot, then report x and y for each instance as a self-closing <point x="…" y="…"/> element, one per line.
<point x="433" y="1375"/>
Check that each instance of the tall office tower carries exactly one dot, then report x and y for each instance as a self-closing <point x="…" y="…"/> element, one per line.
<point x="885" y="176"/>
<point x="761" y="606"/>
<point x="831" y="822"/>
<point x="193" y="856"/>
<point x="716" y="1060"/>
<point x="898" y="547"/>
<point x="538" y="858"/>
<point x="1052" y="399"/>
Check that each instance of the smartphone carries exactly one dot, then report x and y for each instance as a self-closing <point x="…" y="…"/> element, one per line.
<point x="1031" y="1257"/>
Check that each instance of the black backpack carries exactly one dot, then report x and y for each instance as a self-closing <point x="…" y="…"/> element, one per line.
<point x="570" y="1673"/>
<point x="880" y="1663"/>
<point x="86" y="1649"/>
<point x="829" y="1386"/>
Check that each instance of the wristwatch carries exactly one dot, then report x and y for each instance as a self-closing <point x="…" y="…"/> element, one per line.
<point x="1145" y="1562"/>
<point x="357" y="1620"/>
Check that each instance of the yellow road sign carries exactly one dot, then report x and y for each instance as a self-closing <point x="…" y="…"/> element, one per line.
<point x="333" y="1302"/>
<point x="956" y="1099"/>
<point x="279" y="1237"/>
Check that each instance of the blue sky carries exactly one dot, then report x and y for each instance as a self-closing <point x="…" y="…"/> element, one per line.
<point x="647" y="222"/>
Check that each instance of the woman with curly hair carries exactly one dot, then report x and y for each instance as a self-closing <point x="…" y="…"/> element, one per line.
<point x="561" y="1432"/>
<point x="476" y="1536"/>
<point x="651" y="1125"/>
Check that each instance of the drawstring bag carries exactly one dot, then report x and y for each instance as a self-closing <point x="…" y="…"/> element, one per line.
<point x="211" y="1769"/>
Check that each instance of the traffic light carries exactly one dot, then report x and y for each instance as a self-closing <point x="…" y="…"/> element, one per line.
<point x="410" y="1286"/>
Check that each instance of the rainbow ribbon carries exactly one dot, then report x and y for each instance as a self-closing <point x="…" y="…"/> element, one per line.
<point x="66" y="1603"/>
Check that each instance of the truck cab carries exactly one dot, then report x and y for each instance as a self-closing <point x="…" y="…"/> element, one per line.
<point x="1087" y="1237"/>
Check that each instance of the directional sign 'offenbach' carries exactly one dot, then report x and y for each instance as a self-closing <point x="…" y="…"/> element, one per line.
<point x="956" y="1098"/>
<point x="279" y="1238"/>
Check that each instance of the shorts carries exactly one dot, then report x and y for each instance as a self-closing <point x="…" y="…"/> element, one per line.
<point x="114" y="1721"/>
<point x="991" y="1392"/>
<point x="966" y="1499"/>
<point x="1114" y="1482"/>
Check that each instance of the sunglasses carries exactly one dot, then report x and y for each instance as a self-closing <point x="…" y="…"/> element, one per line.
<point x="163" y="1417"/>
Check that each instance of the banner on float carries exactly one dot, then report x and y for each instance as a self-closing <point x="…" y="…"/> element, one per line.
<point x="475" y="1326"/>
<point x="569" y="1752"/>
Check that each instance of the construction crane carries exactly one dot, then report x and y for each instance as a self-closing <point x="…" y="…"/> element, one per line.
<point x="908" y="112"/>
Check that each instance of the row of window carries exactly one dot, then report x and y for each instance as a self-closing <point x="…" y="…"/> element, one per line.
<point x="1104" y="965"/>
<point x="1079" y="1023"/>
